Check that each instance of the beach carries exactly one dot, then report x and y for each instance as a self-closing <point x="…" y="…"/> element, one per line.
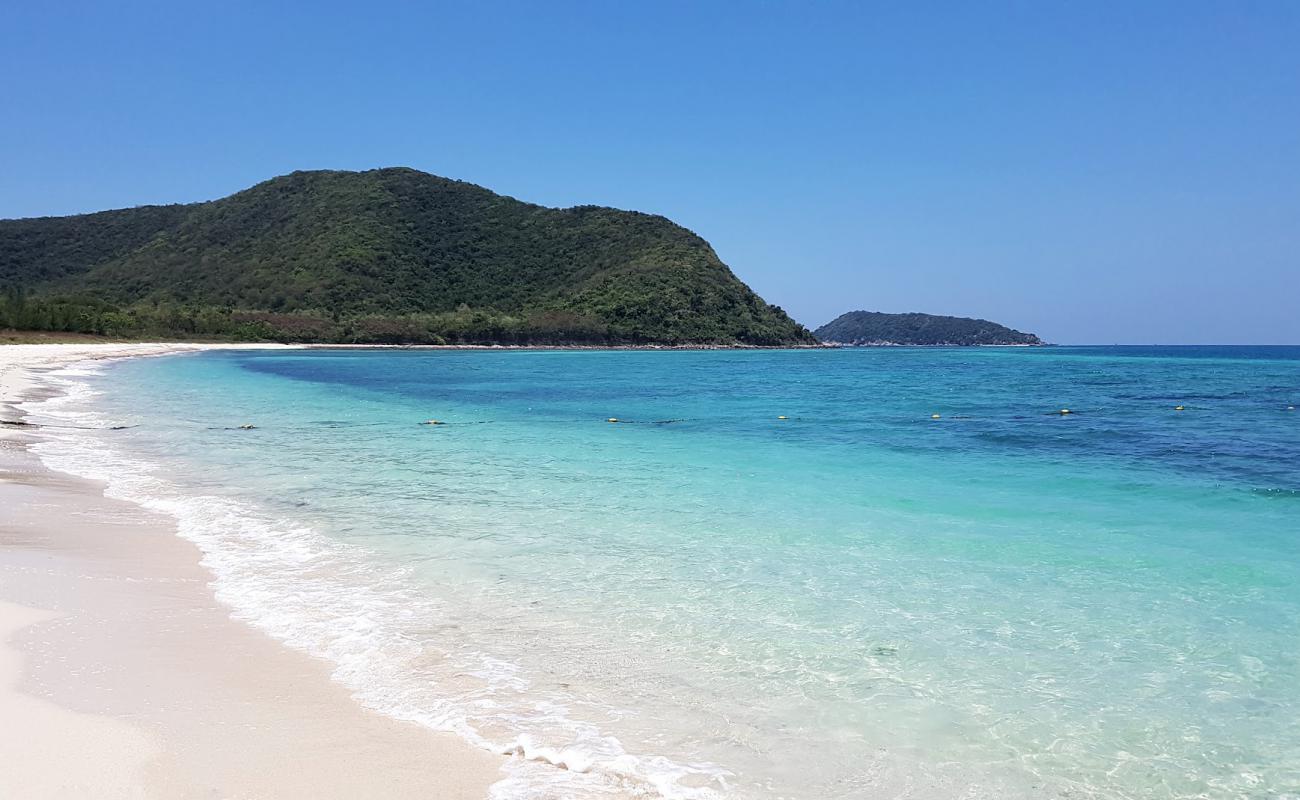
<point x="121" y="675"/>
<point x="256" y="571"/>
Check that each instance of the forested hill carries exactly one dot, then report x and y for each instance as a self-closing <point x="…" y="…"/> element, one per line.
<point x="875" y="328"/>
<point x="389" y="255"/>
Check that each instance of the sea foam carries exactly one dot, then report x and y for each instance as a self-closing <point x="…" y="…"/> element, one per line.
<point x="337" y="602"/>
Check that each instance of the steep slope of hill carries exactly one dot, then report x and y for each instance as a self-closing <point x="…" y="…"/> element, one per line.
<point x="872" y="327"/>
<point x="384" y="255"/>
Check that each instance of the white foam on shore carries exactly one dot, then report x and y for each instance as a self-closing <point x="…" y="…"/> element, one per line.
<point x="336" y="601"/>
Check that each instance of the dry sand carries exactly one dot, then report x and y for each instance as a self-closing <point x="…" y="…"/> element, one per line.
<point x="122" y="677"/>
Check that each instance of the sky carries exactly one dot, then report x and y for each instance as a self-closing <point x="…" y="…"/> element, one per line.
<point x="1094" y="172"/>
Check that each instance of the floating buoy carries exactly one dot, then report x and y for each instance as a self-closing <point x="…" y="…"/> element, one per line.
<point x="612" y="419"/>
<point x="1180" y="408"/>
<point x="1065" y="411"/>
<point x="783" y="417"/>
<point x="935" y="416"/>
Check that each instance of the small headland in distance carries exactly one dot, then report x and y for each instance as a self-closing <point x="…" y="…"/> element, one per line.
<point x="386" y="256"/>
<point x="876" y="329"/>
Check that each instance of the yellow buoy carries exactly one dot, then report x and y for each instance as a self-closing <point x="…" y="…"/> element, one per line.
<point x="612" y="419"/>
<point x="935" y="416"/>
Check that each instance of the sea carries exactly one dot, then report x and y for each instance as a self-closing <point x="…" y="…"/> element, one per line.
<point x="756" y="574"/>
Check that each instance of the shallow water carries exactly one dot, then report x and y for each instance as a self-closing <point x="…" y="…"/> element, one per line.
<point x="707" y="600"/>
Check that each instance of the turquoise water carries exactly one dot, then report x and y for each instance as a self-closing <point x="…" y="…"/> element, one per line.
<point x="705" y="600"/>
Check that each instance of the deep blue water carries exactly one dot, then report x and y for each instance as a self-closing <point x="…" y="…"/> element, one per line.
<point x="777" y="575"/>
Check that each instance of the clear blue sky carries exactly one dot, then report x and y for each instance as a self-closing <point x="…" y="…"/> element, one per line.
<point x="1091" y="171"/>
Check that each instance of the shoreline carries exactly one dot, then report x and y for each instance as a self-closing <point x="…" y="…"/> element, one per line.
<point x="121" y="675"/>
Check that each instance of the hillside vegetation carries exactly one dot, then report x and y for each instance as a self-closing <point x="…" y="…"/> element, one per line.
<point x="390" y="255"/>
<point x="875" y="328"/>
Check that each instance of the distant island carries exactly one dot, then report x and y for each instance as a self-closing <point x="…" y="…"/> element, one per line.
<point x="385" y="256"/>
<point x="875" y="328"/>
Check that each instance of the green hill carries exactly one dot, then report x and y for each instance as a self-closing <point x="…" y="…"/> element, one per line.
<point x="875" y="328"/>
<point x="389" y="255"/>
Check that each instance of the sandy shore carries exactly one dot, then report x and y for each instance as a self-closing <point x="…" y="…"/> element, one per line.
<point x="122" y="677"/>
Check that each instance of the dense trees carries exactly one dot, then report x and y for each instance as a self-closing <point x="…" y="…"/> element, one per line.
<point x="386" y="255"/>
<point x="164" y="321"/>
<point x="871" y="327"/>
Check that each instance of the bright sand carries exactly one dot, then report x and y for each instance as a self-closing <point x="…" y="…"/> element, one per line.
<point x="122" y="677"/>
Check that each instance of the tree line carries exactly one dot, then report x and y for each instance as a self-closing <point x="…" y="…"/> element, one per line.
<point x="464" y="325"/>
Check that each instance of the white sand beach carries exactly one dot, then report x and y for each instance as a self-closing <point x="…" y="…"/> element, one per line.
<point x="121" y="676"/>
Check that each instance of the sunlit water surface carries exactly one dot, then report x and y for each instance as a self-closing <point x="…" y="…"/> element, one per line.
<point x="708" y="600"/>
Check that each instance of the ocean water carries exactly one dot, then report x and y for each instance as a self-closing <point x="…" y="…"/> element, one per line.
<point x="777" y="576"/>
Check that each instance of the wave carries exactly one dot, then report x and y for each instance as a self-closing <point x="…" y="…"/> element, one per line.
<point x="338" y="602"/>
